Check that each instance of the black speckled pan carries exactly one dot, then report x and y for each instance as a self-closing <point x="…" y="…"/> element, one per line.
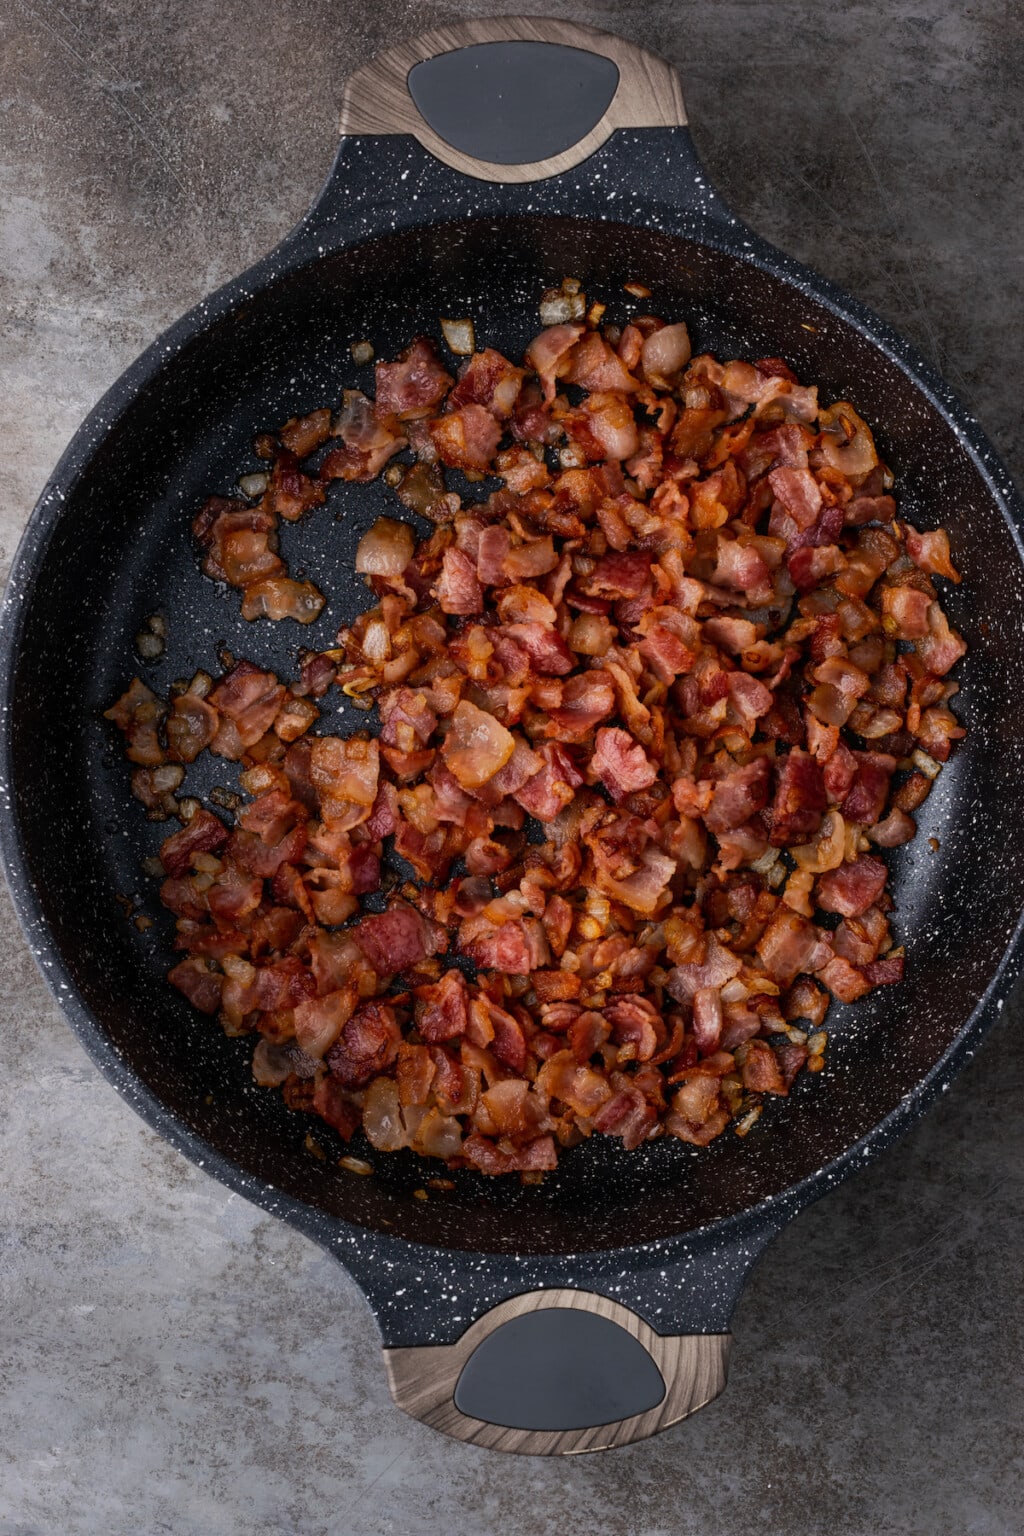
<point x="594" y="1309"/>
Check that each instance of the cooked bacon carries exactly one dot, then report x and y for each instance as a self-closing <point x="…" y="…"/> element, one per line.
<point x="138" y="714"/>
<point x="621" y="763"/>
<point x="249" y="700"/>
<point x="412" y="386"/>
<point x="738" y="796"/>
<point x="869" y="790"/>
<point x="476" y="746"/>
<point x="205" y="833"/>
<point x="490" y="380"/>
<point x="466" y="438"/>
<point x="442" y="1008"/>
<point x="852" y="888"/>
<point x="800" y="800"/>
<point x="201" y="985"/>
<point x="548" y="355"/>
<point x="708" y="637"/>
<point x="394" y="940"/>
<point x="790" y="945"/>
<point x="457" y="589"/>
<point x="366" y="1045"/>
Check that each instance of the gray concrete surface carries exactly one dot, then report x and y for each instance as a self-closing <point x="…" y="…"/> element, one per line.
<point x="170" y="1359"/>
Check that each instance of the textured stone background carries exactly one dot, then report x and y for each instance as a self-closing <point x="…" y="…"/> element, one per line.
<point x="173" y="1361"/>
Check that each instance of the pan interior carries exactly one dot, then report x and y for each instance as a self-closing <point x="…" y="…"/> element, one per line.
<point x="121" y="550"/>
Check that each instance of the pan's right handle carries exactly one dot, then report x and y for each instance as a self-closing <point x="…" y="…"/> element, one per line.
<point x="557" y="1373"/>
<point x="512" y="99"/>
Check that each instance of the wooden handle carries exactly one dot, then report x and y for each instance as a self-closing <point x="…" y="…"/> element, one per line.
<point x="425" y="1381"/>
<point x="376" y="98"/>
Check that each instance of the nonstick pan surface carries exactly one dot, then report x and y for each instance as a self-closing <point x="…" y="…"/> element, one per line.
<point x="667" y="1231"/>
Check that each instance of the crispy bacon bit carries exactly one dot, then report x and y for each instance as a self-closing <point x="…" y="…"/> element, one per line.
<point x="414" y="385"/>
<point x="852" y="888"/>
<point x="705" y="639"/>
<point x="621" y="763"/>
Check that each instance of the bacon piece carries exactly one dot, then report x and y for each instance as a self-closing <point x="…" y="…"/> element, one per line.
<point x="929" y="551"/>
<point x="942" y="647"/>
<point x="852" y="888"/>
<point x="514" y="947"/>
<point x="759" y="1068"/>
<point x="626" y="1115"/>
<point x="544" y="647"/>
<point x="396" y="939"/>
<point x="884" y="973"/>
<point x="458" y="589"/>
<point x="587" y="699"/>
<point x="896" y="829"/>
<point x="718" y="966"/>
<point x="201" y="985"/>
<point x="619" y="575"/>
<point x="367" y="1044"/>
<point x="345" y="775"/>
<point x="800" y="800"/>
<point x="367" y="441"/>
<point x="603" y="427"/>
<point x="593" y="366"/>
<point x="548" y="355"/>
<point x="870" y="788"/>
<point x="205" y="833"/>
<point x="442" y="1008"/>
<point x="412" y="386"/>
<point x="191" y="726"/>
<point x="790" y="945"/>
<point x="476" y="746"/>
<point x="138" y="713"/>
<point x="905" y="612"/>
<point x="844" y="981"/>
<point x="332" y="1104"/>
<point x="621" y="763"/>
<point x="707" y="1019"/>
<point x="798" y="492"/>
<point x="739" y="796"/>
<point x="249" y="700"/>
<point x="490" y="380"/>
<point x="466" y="438"/>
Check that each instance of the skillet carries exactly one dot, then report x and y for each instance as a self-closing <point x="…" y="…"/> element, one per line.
<point x="478" y="165"/>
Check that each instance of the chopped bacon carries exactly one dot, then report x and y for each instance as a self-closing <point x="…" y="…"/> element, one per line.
<point x="869" y="790"/>
<point x="790" y="945"/>
<point x="442" y="1008"/>
<point x="738" y="796"/>
<point x="412" y="386"/>
<point x="457" y="589"/>
<point x="366" y="1045"/>
<point x="201" y="985"/>
<point x="394" y="940"/>
<point x="800" y="800"/>
<point x="467" y="438"/>
<point x="205" y="833"/>
<point x="852" y="888"/>
<point x="694" y="656"/>
<point x="490" y="380"/>
<point x="548" y="355"/>
<point x="621" y="763"/>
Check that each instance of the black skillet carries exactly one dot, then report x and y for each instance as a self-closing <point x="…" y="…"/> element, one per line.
<point x="600" y="1300"/>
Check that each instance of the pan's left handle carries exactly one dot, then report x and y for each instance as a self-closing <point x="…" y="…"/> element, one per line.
<point x="558" y="1372"/>
<point x="512" y="98"/>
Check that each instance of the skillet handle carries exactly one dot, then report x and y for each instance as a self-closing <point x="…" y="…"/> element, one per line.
<point x="556" y="1373"/>
<point x="512" y="99"/>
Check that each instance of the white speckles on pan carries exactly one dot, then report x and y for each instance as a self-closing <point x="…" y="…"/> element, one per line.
<point x="668" y="1230"/>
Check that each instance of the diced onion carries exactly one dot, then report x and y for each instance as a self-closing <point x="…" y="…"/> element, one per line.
<point x="460" y="336"/>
